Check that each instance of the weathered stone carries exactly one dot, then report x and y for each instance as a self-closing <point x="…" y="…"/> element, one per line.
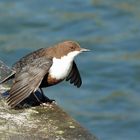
<point x="37" y="123"/>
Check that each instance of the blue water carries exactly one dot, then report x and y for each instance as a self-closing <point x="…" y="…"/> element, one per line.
<point x="108" y="103"/>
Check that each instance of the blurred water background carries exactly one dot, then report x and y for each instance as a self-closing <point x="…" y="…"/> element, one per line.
<point x="108" y="103"/>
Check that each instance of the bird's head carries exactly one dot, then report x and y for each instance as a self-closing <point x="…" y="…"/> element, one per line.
<point x="70" y="49"/>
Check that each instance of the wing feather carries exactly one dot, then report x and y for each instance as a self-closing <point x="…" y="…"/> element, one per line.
<point x="74" y="76"/>
<point x="28" y="80"/>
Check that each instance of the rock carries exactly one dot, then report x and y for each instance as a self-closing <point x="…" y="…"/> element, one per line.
<point x="37" y="123"/>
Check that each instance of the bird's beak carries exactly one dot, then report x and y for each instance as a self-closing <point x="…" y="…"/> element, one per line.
<point x="84" y="50"/>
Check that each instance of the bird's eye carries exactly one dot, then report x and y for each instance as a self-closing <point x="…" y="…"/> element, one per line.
<point x="72" y="47"/>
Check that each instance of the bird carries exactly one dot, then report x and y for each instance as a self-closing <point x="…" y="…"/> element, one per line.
<point x="43" y="68"/>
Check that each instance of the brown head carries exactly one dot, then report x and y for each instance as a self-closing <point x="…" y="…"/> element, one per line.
<point x="68" y="47"/>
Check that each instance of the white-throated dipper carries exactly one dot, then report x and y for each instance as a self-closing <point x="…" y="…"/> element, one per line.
<point x="42" y="68"/>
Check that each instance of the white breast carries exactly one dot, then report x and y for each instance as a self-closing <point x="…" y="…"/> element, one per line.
<point x="61" y="67"/>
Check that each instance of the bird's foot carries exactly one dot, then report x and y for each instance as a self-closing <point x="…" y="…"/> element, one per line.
<point x="48" y="103"/>
<point x="47" y="100"/>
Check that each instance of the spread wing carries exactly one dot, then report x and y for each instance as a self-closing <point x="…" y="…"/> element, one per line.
<point x="74" y="76"/>
<point x="28" y="80"/>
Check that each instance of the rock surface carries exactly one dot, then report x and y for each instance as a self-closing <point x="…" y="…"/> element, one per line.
<point x="48" y="122"/>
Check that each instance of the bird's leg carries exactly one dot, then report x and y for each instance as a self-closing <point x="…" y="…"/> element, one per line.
<point x="37" y="99"/>
<point x="41" y="91"/>
<point x="45" y="98"/>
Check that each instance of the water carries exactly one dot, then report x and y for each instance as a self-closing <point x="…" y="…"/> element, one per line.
<point x="108" y="103"/>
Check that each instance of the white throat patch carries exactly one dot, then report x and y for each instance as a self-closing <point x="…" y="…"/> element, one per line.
<point x="61" y="67"/>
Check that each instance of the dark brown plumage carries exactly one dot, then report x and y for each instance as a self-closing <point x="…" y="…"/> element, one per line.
<point x="34" y="71"/>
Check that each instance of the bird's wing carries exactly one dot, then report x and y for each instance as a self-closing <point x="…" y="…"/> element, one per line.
<point x="29" y="58"/>
<point x="28" y="80"/>
<point x="74" y="76"/>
